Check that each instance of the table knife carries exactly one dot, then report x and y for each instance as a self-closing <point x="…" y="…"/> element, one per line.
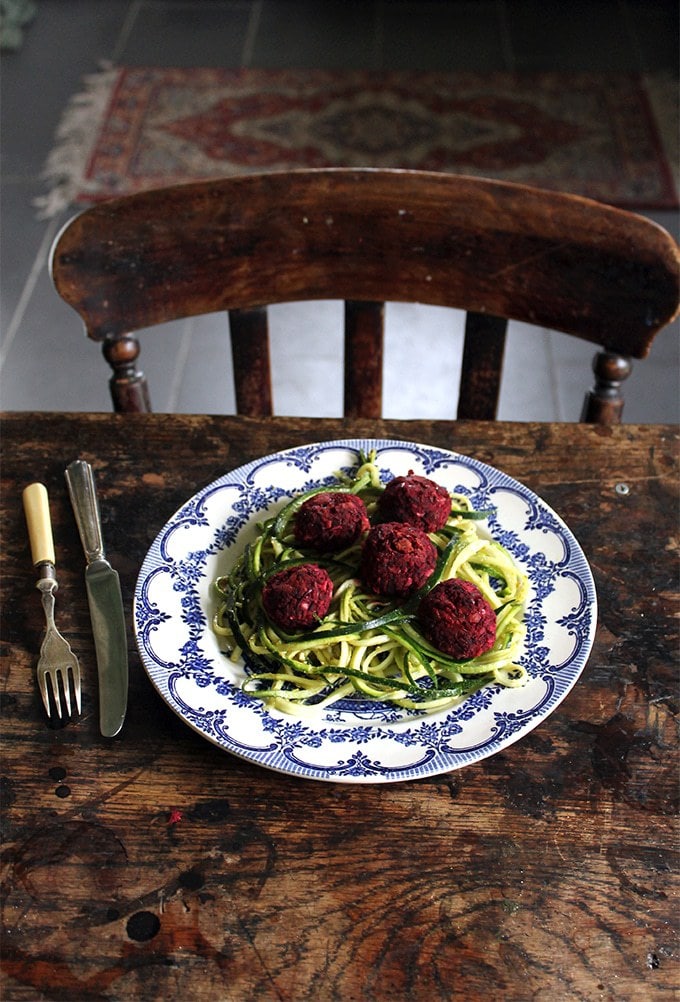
<point x="104" y="599"/>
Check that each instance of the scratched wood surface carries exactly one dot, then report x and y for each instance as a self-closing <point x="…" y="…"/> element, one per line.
<point x="156" y="866"/>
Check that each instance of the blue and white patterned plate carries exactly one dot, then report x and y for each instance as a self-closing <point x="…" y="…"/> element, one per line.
<point x="364" y="742"/>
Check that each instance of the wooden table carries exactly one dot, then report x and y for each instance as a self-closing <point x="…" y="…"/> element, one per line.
<point x="157" y="866"/>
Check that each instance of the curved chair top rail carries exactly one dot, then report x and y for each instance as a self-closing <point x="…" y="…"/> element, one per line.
<point x="559" y="261"/>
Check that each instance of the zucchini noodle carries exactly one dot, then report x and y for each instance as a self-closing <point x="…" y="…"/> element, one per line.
<point x="368" y="647"/>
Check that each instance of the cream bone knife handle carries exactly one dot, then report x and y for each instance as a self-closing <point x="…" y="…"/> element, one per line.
<point x="37" y="511"/>
<point x="81" y="487"/>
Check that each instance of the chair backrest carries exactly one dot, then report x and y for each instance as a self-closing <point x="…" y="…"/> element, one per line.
<point x="367" y="236"/>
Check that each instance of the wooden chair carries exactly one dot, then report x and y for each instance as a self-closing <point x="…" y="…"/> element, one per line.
<point x="367" y="236"/>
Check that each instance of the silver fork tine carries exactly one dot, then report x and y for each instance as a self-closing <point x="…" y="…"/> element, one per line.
<point x="42" y="685"/>
<point x="67" y="687"/>
<point x="56" y="656"/>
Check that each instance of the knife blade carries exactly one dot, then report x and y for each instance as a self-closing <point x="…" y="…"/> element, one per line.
<point x="104" y="599"/>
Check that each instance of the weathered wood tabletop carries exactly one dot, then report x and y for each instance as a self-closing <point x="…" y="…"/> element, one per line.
<point x="157" y="866"/>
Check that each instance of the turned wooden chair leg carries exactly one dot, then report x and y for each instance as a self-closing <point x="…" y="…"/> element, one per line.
<point x="129" y="390"/>
<point x="604" y="403"/>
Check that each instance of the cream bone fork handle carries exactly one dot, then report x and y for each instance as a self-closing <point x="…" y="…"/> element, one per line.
<point x="57" y="661"/>
<point x="105" y="601"/>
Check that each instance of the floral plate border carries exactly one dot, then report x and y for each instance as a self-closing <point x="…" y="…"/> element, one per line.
<point x="364" y="743"/>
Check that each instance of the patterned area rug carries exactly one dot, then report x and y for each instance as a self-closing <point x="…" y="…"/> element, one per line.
<point x="607" y="137"/>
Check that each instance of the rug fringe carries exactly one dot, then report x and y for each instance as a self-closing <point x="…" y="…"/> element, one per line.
<point x="75" y="139"/>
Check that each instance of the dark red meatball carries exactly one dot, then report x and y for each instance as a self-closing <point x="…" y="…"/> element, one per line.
<point x="457" y="619"/>
<point x="397" y="559"/>
<point x="330" y="521"/>
<point x="415" y="500"/>
<point x="298" y="597"/>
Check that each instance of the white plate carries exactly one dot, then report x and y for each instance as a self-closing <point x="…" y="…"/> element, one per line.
<point x="368" y="743"/>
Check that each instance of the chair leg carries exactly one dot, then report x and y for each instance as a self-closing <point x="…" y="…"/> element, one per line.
<point x="129" y="389"/>
<point x="604" y="403"/>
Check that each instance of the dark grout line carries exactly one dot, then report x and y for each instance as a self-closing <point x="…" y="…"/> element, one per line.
<point x="126" y="30"/>
<point x="251" y="34"/>
<point x="39" y="263"/>
<point x="506" y="39"/>
<point x="633" y="42"/>
<point x="379" y="34"/>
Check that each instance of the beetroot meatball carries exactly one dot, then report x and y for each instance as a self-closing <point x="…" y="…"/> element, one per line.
<point x="415" y="500"/>
<point x="457" y="619"/>
<point x="298" y="597"/>
<point x="330" y="521"/>
<point x="397" y="559"/>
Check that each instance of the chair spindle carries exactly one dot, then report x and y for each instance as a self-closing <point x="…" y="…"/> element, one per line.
<point x="482" y="366"/>
<point x="364" y="335"/>
<point x="249" y="329"/>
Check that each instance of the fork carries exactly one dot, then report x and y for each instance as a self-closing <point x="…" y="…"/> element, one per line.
<point x="57" y="661"/>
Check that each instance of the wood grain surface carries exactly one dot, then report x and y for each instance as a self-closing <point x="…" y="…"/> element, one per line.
<point x="156" y="866"/>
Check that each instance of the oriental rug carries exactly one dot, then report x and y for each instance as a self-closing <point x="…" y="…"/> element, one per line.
<point x="603" y="136"/>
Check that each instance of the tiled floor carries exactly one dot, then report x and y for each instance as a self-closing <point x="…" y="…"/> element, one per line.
<point x="47" y="363"/>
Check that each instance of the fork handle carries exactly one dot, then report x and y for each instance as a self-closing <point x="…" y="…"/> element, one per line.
<point x="83" y="493"/>
<point x="37" y="511"/>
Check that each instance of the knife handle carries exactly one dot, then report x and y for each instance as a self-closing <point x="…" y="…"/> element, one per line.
<point x="37" y="511"/>
<point x="83" y="493"/>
